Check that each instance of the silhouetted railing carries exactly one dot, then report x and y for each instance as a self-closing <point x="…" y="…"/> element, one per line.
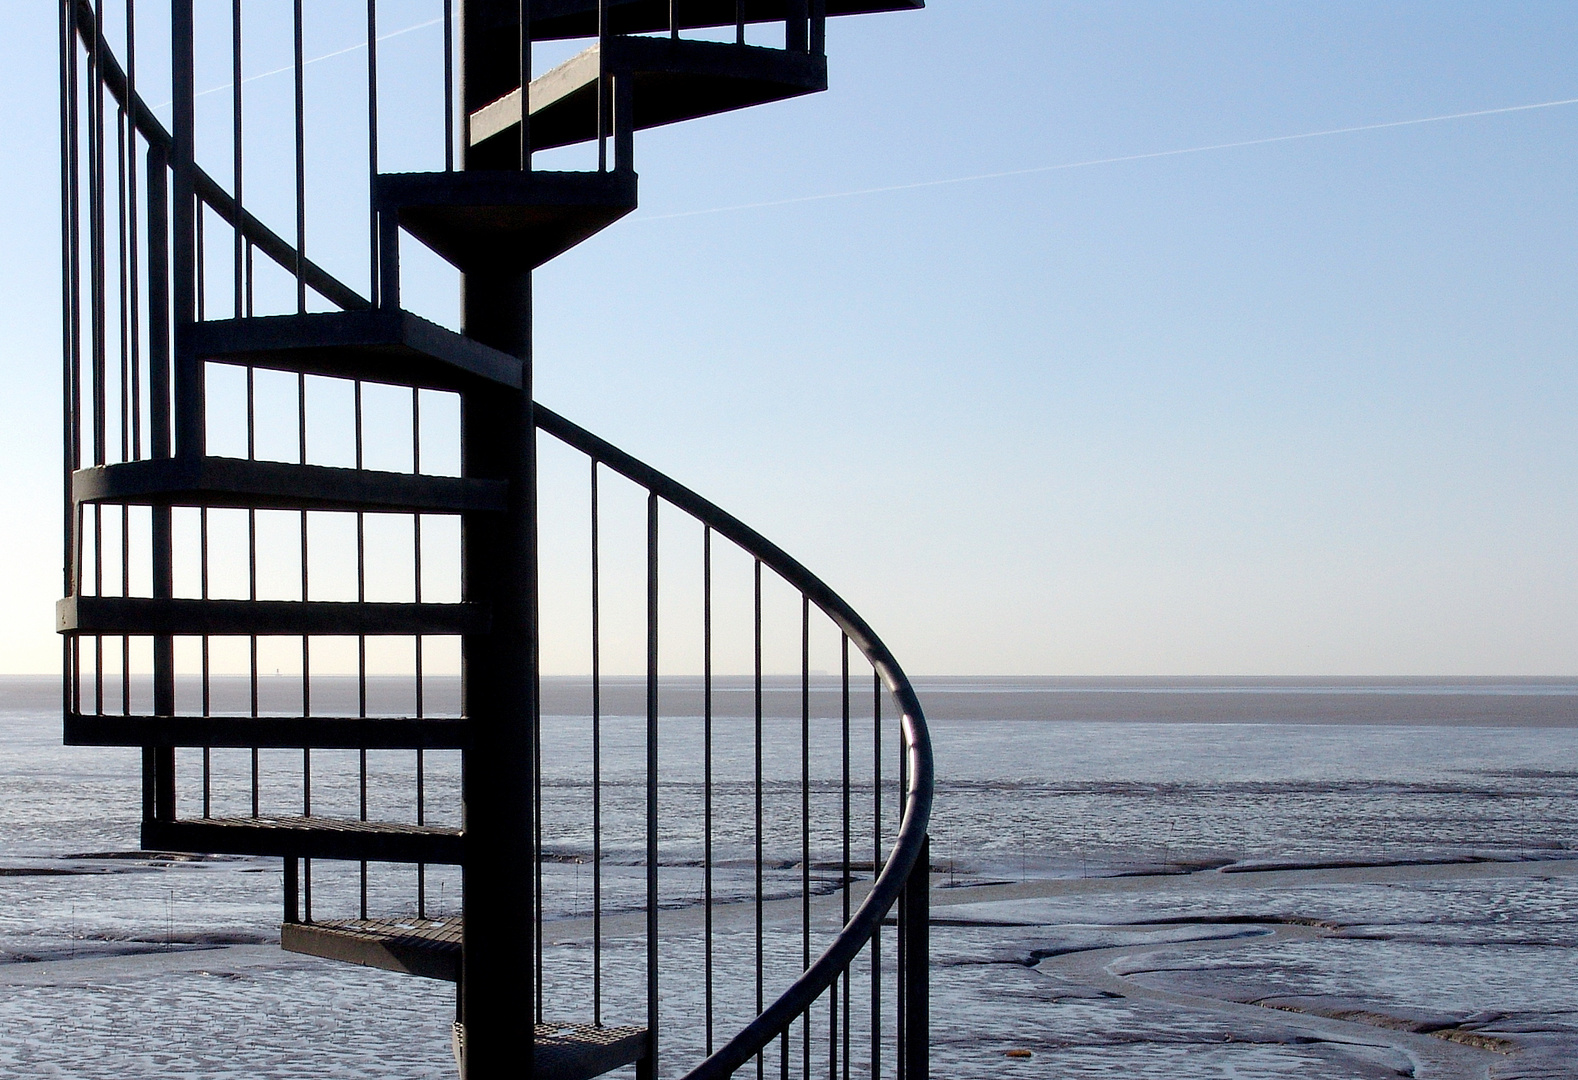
<point x="233" y="506"/>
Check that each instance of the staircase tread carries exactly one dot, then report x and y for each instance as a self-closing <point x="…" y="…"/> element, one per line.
<point x="237" y="730"/>
<point x="314" y="823"/>
<point x="310" y="837"/>
<point x="561" y="19"/>
<point x="215" y="480"/>
<point x="187" y="616"/>
<point x="385" y="345"/>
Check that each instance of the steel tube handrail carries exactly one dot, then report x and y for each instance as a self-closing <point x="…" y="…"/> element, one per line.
<point x="908" y="846"/>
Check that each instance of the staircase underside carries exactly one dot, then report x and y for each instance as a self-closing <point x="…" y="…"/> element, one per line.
<point x="505" y="219"/>
<point x="557" y="19"/>
<point x="388" y="346"/>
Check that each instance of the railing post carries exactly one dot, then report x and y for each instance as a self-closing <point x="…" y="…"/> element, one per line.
<point x="497" y="999"/>
<point x="797" y="26"/>
<point x="292" y="890"/>
<point x="915" y="928"/>
<point x="624" y="122"/>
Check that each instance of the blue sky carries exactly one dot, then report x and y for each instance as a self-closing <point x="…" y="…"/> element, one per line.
<point x="1298" y="407"/>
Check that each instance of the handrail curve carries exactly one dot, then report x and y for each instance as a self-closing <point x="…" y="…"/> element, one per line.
<point x="910" y="843"/>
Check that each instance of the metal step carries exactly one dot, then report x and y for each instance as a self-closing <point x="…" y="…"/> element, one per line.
<point x="581" y="1051"/>
<point x="674" y="80"/>
<point x="143" y="615"/>
<point x="426" y="947"/>
<point x="381" y="346"/>
<point x="274" y="732"/>
<point x="431" y="948"/>
<point x="237" y="482"/>
<point x="306" y="837"/>
<point x="559" y="19"/>
<point x="504" y="219"/>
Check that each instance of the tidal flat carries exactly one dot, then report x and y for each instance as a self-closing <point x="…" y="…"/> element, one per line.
<point x="1137" y="878"/>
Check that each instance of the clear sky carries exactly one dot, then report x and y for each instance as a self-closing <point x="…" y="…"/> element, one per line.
<point x="1303" y="406"/>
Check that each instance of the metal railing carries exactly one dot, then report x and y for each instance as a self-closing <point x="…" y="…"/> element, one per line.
<point x="818" y="961"/>
<point x="904" y="871"/>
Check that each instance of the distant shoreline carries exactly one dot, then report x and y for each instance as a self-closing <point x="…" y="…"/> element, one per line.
<point x="1514" y="702"/>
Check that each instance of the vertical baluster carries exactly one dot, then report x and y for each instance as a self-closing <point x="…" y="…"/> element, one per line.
<point x="597" y="767"/>
<point x="69" y="209"/>
<point x="602" y="86"/>
<point x="421" y="819"/>
<point x="652" y="780"/>
<point x="207" y="686"/>
<point x="706" y="757"/>
<point x="739" y="22"/>
<point x="306" y="642"/>
<point x="298" y="68"/>
<point x="536" y="781"/>
<point x="624" y="123"/>
<point x="252" y="569"/>
<point x="449" y="86"/>
<point x="122" y="246"/>
<point x="237" y="161"/>
<point x="805" y="819"/>
<point x="757" y="691"/>
<point x="846" y="878"/>
<point x="202" y="264"/>
<point x="876" y="870"/>
<point x="361" y="639"/>
<point x="796" y="17"/>
<point x="96" y="245"/>
<point x="123" y="386"/>
<point x="916" y="916"/>
<point x="375" y="272"/>
<point x="421" y="689"/>
<point x="525" y="77"/>
<point x="135" y="298"/>
<point x="188" y="388"/>
<point x="901" y="1001"/>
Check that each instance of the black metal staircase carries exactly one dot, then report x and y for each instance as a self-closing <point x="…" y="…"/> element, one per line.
<point x="175" y="287"/>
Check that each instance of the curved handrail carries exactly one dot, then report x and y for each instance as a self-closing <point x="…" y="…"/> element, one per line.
<point x="907" y="848"/>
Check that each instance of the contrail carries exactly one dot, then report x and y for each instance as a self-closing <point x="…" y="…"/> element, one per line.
<point x="1113" y="160"/>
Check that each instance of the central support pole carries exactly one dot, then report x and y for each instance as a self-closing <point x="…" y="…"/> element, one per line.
<point x="498" y="976"/>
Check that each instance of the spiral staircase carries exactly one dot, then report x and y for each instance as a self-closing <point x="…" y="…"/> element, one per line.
<point x="167" y="297"/>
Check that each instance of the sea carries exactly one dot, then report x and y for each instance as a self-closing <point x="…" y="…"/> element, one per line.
<point x="1132" y="877"/>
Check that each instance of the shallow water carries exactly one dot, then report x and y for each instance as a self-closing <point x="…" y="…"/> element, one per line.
<point x="1032" y="791"/>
